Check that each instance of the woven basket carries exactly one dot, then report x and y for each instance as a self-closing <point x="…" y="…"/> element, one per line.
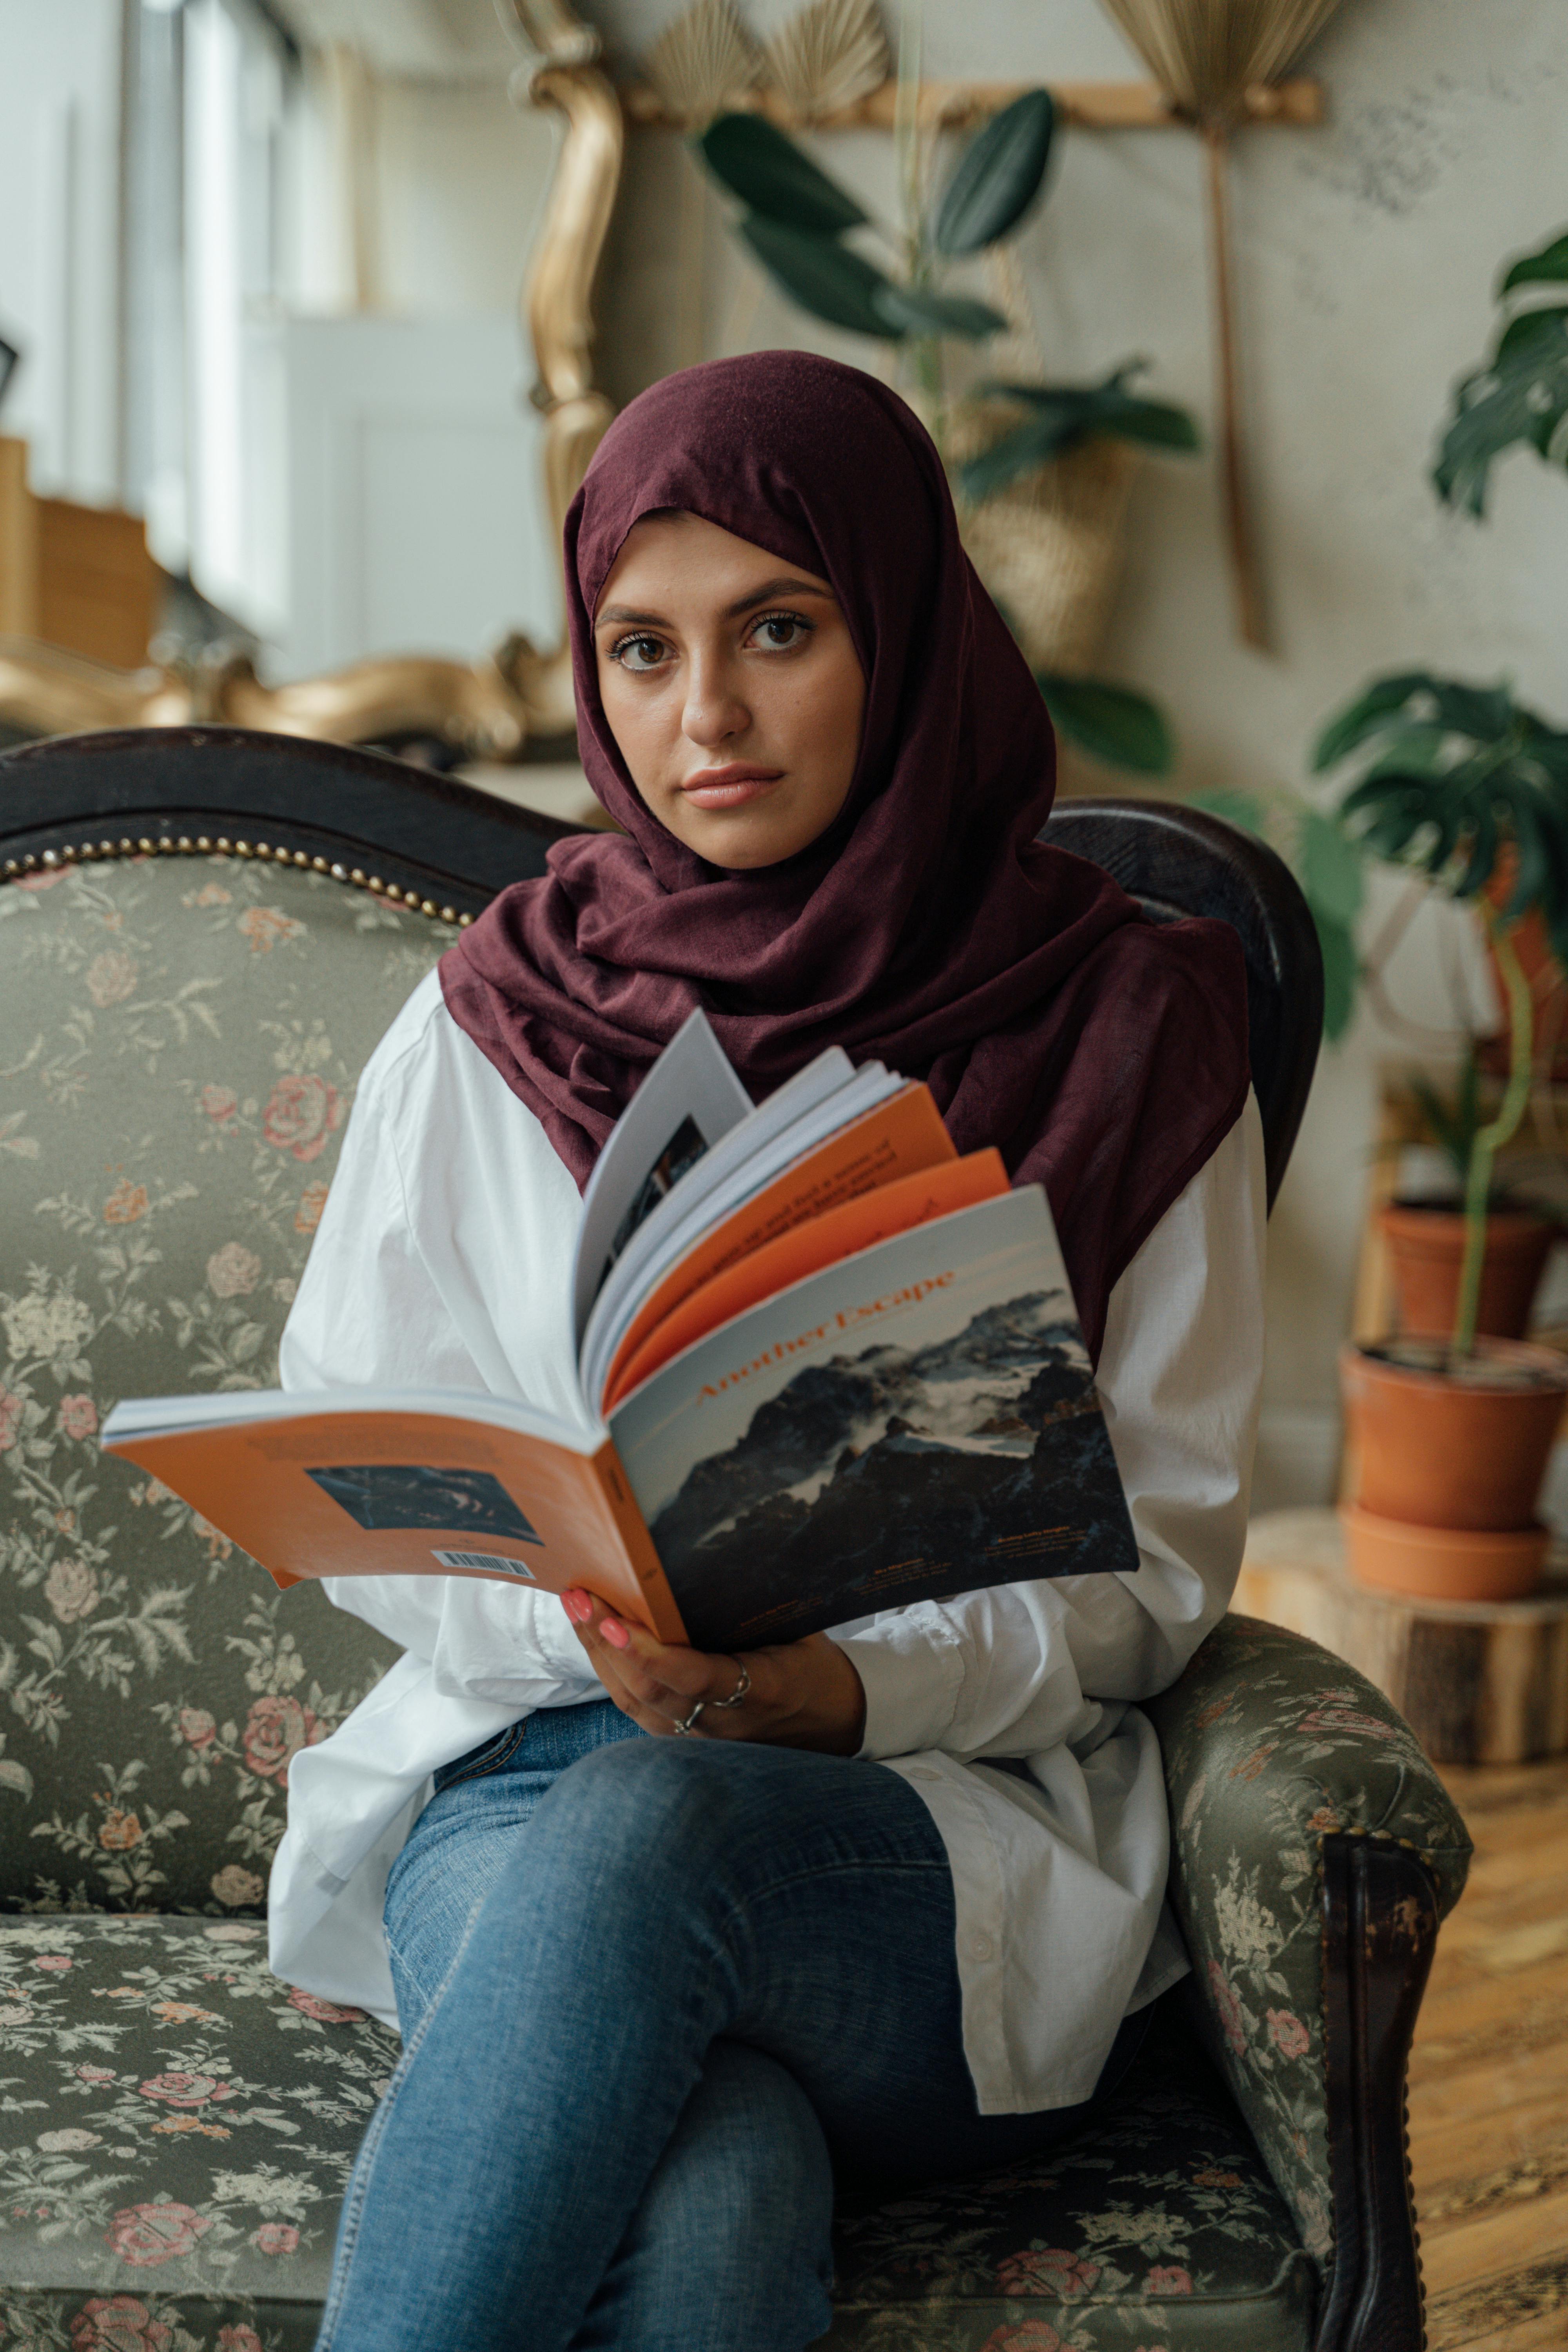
<point x="1049" y="546"/>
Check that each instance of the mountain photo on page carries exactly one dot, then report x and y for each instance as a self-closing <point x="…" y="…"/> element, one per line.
<point x="855" y="1449"/>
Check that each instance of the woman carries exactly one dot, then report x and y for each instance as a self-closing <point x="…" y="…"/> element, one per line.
<point x="666" y="1950"/>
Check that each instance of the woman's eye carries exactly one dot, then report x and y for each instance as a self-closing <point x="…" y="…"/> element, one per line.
<point x="639" y="655"/>
<point x="776" y="633"/>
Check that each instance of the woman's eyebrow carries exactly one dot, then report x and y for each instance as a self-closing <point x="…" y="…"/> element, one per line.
<point x="623" y="615"/>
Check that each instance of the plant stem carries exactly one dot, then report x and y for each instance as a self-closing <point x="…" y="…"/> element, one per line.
<point x="1489" y="1139"/>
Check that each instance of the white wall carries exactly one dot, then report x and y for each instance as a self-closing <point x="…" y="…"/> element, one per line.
<point x="1368" y="251"/>
<point x="59" y="148"/>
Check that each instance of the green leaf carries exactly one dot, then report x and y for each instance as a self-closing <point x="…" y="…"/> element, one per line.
<point x="1243" y="810"/>
<point x="1522" y="400"/>
<point x="916" y="311"/>
<point x="1367" y="715"/>
<point x="1340" y="972"/>
<point x="1330" y="868"/>
<point x="1033" y="442"/>
<point x="1550" y="264"/>
<point x="1485" y="713"/>
<point x="823" y="276"/>
<point x="1063" y="415"/>
<point x="1528" y="336"/>
<point x="1110" y="723"/>
<point x="998" y="175"/>
<point x="773" y="177"/>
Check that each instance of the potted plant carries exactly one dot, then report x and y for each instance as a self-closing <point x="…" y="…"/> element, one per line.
<point x="1465" y="787"/>
<point x="1424" y="1233"/>
<point x="1040" y="471"/>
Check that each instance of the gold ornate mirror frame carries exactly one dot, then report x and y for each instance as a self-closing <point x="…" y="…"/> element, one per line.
<point x="487" y="709"/>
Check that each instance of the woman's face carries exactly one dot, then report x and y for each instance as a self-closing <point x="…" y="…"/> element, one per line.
<point x="732" y="689"/>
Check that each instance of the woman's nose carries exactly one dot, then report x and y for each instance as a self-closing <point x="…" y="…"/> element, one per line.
<point x="713" y="712"/>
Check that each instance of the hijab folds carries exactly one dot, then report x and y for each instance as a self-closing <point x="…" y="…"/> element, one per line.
<point x="929" y="928"/>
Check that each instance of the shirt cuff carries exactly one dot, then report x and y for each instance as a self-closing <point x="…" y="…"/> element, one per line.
<point x="911" y="1667"/>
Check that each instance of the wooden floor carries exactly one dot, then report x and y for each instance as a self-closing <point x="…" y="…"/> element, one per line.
<point x="1488" y="2076"/>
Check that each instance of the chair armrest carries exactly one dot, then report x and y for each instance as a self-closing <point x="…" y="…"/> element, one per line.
<point x="1314" y="1851"/>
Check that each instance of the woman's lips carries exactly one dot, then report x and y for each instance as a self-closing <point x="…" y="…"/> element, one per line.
<point x="727" y="788"/>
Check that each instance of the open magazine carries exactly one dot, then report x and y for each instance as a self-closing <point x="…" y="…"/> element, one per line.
<point x="826" y="1365"/>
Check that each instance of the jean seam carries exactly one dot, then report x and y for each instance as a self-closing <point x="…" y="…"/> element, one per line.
<point x="359" y="2187"/>
<point x="519" y="1732"/>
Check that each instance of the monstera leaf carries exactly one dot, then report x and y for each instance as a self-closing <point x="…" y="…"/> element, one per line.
<point x="1522" y="393"/>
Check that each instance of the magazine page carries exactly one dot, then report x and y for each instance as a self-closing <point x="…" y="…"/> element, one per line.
<point x="814" y="1104"/>
<point x="406" y="1482"/>
<point x="918" y="1420"/>
<point x="898" y="1135"/>
<point x="688" y="1102"/>
<point x="744" y="1278"/>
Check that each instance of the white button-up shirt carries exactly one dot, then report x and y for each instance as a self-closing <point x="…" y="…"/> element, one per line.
<point x="442" y="1260"/>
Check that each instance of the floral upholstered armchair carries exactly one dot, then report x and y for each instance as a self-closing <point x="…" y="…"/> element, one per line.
<point x="202" y="936"/>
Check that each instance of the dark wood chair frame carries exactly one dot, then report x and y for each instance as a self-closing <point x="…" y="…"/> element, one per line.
<point x="428" y="842"/>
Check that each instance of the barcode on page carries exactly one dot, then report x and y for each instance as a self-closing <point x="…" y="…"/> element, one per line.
<point x="494" y="1561"/>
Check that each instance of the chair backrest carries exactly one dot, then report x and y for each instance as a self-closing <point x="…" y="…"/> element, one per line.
<point x="205" y="934"/>
<point x="1180" y="861"/>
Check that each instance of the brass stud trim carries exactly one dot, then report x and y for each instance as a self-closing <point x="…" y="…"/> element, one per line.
<point x="74" y="853"/>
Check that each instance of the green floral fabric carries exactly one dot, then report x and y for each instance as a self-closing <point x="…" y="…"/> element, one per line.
<point x="176" y="2134"/>
<point x="183" y="1038"/>
<point x="1270" y="1745"/>
<point x="1157" y="2230"/>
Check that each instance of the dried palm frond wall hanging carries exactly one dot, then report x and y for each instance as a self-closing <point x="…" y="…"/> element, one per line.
<point x="823" y="60"/>
<point x="1206" y="54"/>
<point x="702" y="63"/>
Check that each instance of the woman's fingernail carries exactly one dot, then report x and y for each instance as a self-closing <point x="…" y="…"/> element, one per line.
<point x="614" y="1633"/>
<point x="578" y="1606"/>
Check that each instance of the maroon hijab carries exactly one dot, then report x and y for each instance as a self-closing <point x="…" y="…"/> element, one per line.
<point x="927" y="927"/>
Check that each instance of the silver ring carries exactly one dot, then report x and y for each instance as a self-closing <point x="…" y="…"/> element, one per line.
<point x="682" y="1725"/>
<point x="737" y="1694"/>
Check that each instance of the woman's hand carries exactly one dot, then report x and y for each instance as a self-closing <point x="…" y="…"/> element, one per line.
<point x="801" y="1694"/>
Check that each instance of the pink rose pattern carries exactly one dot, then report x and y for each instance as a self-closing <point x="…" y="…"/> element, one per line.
<point x="275" y="1731"/>
<point x="148" y="2236"/>
<point x="79" y="1416"/>
<point x="117" y="2322"/>
<point x="302" y="1113"/>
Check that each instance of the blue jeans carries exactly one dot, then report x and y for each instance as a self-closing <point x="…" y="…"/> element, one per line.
<point x="655" y="1995"/>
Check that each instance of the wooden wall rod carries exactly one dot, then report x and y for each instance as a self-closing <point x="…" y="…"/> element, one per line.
<point x="1090" y="105"/>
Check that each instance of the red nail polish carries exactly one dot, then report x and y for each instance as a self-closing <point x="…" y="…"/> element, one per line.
<point x="615" y="1634"/>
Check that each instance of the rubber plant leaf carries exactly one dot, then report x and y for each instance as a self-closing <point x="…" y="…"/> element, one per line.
<point x="1366" y="716"/>
<point x="1110" y="723"/>
<point x="1545" y="268"/>
<point x="1063" y="417"/>
<point x="998" y="176"/>
<point x="774" y="178"/>
<point x="823" y="276"/>
<point x="916" y="311"/>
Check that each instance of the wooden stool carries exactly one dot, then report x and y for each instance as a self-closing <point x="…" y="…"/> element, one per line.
<point x="1479" y="1682"/>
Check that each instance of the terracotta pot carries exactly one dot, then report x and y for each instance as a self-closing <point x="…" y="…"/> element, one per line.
<point x="1444" y="1563"/>
<point x="1426" y="1247"/>
<point x="1441" y="1449"/>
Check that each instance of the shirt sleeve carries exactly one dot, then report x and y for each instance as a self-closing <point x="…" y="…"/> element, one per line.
<point x="1018" y="1668"/>
<point x="370" y="1313"/>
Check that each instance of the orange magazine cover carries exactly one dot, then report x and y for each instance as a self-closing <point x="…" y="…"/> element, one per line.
<point x="332" y="1488"/>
